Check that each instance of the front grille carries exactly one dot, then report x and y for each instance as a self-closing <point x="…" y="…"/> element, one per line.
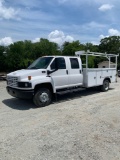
<point x="12" y="81"/>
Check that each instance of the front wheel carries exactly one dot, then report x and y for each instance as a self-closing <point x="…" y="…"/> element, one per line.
<point x="105" y="86"/>
<point x="42" y="97"/>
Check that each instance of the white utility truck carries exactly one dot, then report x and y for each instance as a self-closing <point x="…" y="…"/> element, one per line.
<point x="50" y="75"/>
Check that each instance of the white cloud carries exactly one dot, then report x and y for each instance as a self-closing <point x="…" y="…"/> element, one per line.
<point x="36" y="40"/>
<point x="69" y="39"/>
<point x="101" y="36"/>
<point x="105" y="7"/>
<point x="95" y="42"/>
<point x="6" y="41"/>
<point x="7" y="13"/>
<point x="113" y="32"/>
<point x="59" y="37"/>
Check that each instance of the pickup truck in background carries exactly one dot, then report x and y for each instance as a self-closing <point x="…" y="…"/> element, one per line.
<point x="50" y="75"/>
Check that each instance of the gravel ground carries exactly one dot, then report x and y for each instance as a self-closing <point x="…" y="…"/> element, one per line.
<point x="80" y="126"/>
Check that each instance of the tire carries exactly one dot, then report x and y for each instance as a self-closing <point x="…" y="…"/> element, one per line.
<point x="105" y="86"/>
<point x="42" y="97"/>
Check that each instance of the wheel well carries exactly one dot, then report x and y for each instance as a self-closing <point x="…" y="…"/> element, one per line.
<point x="108" y="79"/>
<point x="43" y="85"/>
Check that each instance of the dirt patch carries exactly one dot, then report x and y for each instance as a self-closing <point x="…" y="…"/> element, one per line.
<point x="80" y="126"/>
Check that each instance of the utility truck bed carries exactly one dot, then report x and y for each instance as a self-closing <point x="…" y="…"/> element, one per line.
<point x="95" y="77"/>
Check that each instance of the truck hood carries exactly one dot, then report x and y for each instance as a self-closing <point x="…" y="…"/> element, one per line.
<point x="24" y="73"/>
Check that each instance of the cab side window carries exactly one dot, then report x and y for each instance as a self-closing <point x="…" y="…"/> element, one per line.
<point x="58" y="63"/>
<point x="74" y="63"/>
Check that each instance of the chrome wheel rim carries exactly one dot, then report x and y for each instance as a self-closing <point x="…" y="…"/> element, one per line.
<point x="44" y="97"/>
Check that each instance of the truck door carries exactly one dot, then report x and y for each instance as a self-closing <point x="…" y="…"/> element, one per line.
<point x="75" y="72"/>
<point x="60" y="73"/>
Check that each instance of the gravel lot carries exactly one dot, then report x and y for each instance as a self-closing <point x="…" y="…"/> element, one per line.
<point x="80" y="126"/>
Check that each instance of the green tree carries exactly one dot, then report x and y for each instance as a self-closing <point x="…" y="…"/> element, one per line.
<point x="70" y="48"/>
<point x="15" y="56"/>
<point x="111" y="45"/>
<point x="2" y="58"/>
<point x="45" y="47"/>
<point x="91" y="47"/>
<point x="20" y="53"/>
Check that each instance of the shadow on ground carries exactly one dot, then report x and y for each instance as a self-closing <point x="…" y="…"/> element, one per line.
<point x="78" y="94"/>
<point x="20" y="104"/>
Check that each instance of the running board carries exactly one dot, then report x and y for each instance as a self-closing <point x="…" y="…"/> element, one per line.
<point x="69" y="91"/>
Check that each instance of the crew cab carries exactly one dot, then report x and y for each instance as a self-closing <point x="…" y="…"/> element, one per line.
<point x="50" y="75"/>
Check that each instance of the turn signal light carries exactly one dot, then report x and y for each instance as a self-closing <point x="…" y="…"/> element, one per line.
<point x="29" y="77"/>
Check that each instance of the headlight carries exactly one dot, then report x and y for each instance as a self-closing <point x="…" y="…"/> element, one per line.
<point x="24" y="84"/>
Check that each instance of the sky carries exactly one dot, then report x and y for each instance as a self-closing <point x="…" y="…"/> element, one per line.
<point x="58" y="20"/>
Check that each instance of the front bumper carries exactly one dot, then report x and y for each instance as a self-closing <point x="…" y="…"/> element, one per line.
<point x="23" y="94"/>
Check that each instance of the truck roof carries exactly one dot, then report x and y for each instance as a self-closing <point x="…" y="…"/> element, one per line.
<point x="59" y="56"/>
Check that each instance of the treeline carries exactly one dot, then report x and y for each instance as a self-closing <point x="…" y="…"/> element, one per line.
<point x="19" y="54"/>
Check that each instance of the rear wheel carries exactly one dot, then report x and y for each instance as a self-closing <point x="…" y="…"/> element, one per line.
<point x="105" y="86"/>
<point x="42" y="97"/>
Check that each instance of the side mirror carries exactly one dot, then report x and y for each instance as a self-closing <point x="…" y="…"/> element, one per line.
<point x="48" y="72"/>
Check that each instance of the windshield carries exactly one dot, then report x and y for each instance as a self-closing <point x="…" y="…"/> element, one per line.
<point x="41" y="63"/>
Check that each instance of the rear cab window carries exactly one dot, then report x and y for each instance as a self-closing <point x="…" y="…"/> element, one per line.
<point x="74" y="63"/>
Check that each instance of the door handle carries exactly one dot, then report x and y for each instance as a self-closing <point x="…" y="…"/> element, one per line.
<point x="67" y="71"/>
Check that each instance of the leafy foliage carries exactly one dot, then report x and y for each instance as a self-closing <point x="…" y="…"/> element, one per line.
<point x="21" y="53"/>
<point x="111" y="45"/>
